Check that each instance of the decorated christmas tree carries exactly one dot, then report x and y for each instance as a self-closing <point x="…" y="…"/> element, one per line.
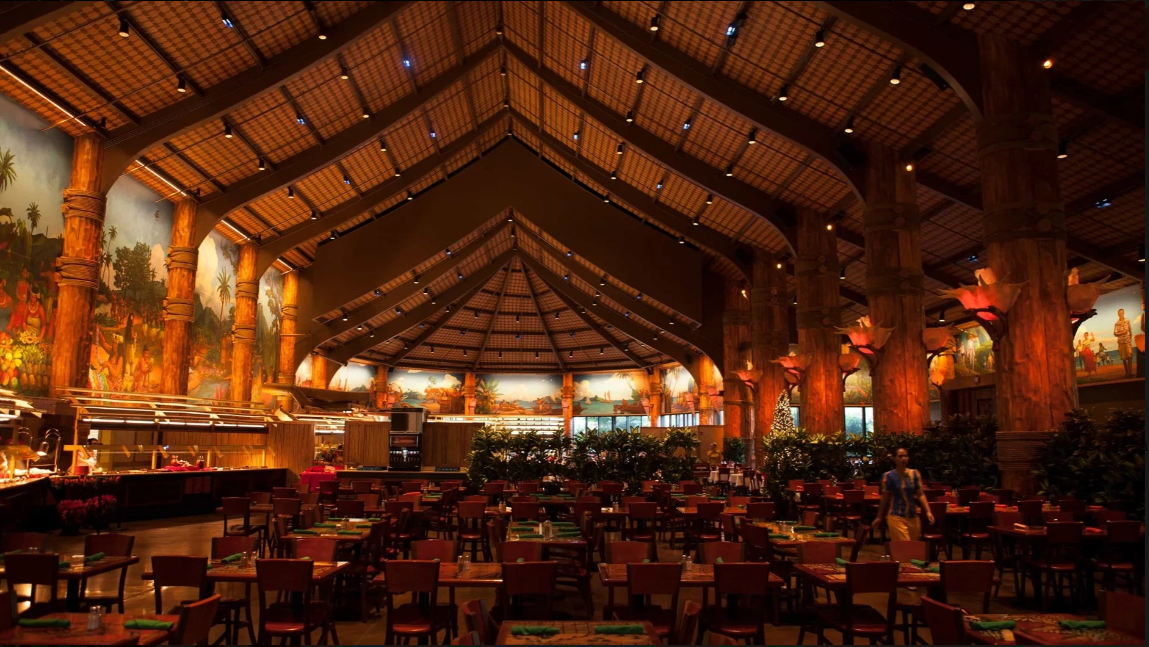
<point x="783" y="421"/>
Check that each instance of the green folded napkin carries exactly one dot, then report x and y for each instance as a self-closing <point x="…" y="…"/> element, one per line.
<point x="142" y="623"/>
<point x="718" y="560"/>
<point x="374" y="519"/>
<point x="62" y="623"/>
<point x="840" y="562"/>
<point x="826" y="534"/>
<point x="305" y="531"/>
<point x="94" y="558"/>
<point x="803" y="528"/>
<point x="323" y="525"/>
<point x="231" y="558"/>
<point x="934" y="569"/>
<point x="778" y="535"/>
<point x="991" y="625"/>
<point x="65" y="565"/>
<point x="209" y="566"/>
<point x="306" y="557"/>
<point x="532" y="535"/>
<point x="534" y="631"/>
<point x="568" y="535"/>
<point x="920" y="563"/>
<point x="619" y="629"/>
<point x="741" y="507"/>
<point x="520" y="560"/>
<point x="646" y="561"/>
<point x="1081" y="624"/>
<point x="348" y="532"/>
<point x="362" y="525"/>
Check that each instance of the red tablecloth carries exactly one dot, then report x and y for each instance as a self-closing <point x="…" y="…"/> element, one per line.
<point x="313" y="479"/>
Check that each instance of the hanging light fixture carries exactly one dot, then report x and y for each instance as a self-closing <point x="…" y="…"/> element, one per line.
<point x="125" y="29"/>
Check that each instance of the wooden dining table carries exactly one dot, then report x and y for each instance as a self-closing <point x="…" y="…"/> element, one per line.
<point x="75" y="576"/>
<point x="701" y="576"/>
<point x="833" y="576"/>
<point x="245" y="574"/>
<point x="575" y="632"/>
<point x="111" y="632"/>
<point x="799" y="537"/>
<point x="1043" y="629"/>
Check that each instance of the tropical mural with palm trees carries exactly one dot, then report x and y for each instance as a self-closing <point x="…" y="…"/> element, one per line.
<point x="678" y="392"/>
<point x="611" y="394"/>
<point x="518" y="395"/>
<point x="437" y="392"/>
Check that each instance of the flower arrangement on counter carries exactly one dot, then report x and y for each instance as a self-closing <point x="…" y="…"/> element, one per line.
<point x="329" y="454"/>
<point x="96" y="511"/>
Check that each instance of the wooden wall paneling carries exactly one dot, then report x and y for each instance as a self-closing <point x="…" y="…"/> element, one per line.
<point x="447" y="444"/>
<point x="291" y="445"/>
<point x="367" y="443"/>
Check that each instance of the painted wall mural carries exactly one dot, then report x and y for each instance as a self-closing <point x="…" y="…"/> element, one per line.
<point x="859" y="386"/>
<point x="267" y="321"/>
<point x="353" y="377"/>
<point x="1104" y="348"/>
<point x="518" y="395"/>
<point x="438" y="392"/>
<point x="678" y="391"/>
<point x="303" y="373"/>
<point x="611" y="394"/>
<point x="211" y="351"/>
<point x="127" y="329"/>
<point x="34" y="171"/>
<point x="974" y="351"/>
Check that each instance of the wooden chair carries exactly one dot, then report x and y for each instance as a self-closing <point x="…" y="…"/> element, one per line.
<point x="170" y="571"/>
<point x="905" y="551"/>
<point x="259" y="498"/>
<point x="527" y="487"/>
<point x="1032" y="512"/>
<point x="34" y="569"/>
<point x="705" y="527"/>
<point x="976" y="533"/>
<point x="966" y="577"/>
<point x="1123" y="612"/>
<point x="611" y="491"/>
<point x="525" y="511"/>
<point x="111" y="545"/>
<point x="290" y="492"/>
<point x="477" y="620"/>
<point x="328" y="491"/>
<point x="22" y="541"/>
<point x="513" y="551"/>
<point x="859" y="620"/>
<point x="7" y="611"/>
<point x="239" y="507"/>
<point x="319" y="549"/>
<point x="298" y="617"/>
<point x="760" y="511"/>
<point x="728" y="551"/>
<point x="350" y="508"/>
<point x="643" y="583"/>
<point x="1059" y="562"/>
<point x="528" y="590"/>
<point x="229" y="608"/>
<point x="936" y="534"/>
<point x="361" y="486"/>
<point x="740" y="594"/>
<point x="370" y="500"/>
<point x="1121" y="556"/>
<point x="471" y="515"/>
<point x="640" y="519"/>
<point x="688" y="625"/>
<point x="946" y="623"/>
<point x="195" y="623"/>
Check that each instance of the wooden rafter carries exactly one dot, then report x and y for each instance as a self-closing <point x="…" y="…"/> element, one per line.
<point x="543" y="321"/>
<point x="494" y="318"/>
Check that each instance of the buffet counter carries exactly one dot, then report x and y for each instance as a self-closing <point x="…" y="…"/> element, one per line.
<point x="401" y="475"/>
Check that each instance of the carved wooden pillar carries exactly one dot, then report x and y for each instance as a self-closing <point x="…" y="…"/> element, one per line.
<point x="706" y="411"/>
<point x="568" y="402"/>
<point x="243" y="331"/>
<point x="1024" y="223"/>
<point x="894" y="286"/>
<point x="655" y="396"/>
<point x="78" y="266"/>
<point x="735" y="335"/>
<point x="318" y="371"/>
<point x="380" y="387"/>
<point x="288" y="316"/>
<point x="816" y="278"/>
<point x="770" y="334"/>
<point x="469" y="394"/>
<point x="179" y="305"/>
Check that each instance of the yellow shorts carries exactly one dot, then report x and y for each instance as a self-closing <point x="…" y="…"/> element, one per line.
<point x="903" y="528"/>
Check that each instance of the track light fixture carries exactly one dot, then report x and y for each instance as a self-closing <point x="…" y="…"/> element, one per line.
<point x="686" y="124"/>
<point x="125" y="29"/>
<point x="181" y="84"/>
<point x="300" y="119"/>
<point x="820" y="39"/>
<point x="582" y="65"/>
<point x="654" y="23"/>
<point x="382" y="146"/>
<point x="344" y="316"/>
<point x="784" y="92"/>
<point x="227" y="131"/>
<point x="842" y="274"/>
<point x="639" y="76"/>
<point x="614" y="174"/>
<point x="696" y="222"/>
<point x="753" y="138"/>
<point x="618" y="150"/>
<point x="629" y="116"/>
<point x="849" y="129"/>
<point x="343" y="73"/>
<point x="346" y="179"/>
<point x="416" y="279"/>
<point x="378" y="292"/>
<point x="314" y="214"/>
<point x="262" y="164"/>
<point x="366" y="112"/>
<point x="896" y="77"/>
<point x="730" y="171"/>
<point x="1063" y="149"/>
<point x="681" y="240"/>
<point x="709" y="198"/>
<point x="571" y="354"/>
<point x="606" y="198"/>
<point x="602" y="281"/>
<point x="1047" y="63"/>
<point x="290" y="193"/>
<point x="333" y="235"/>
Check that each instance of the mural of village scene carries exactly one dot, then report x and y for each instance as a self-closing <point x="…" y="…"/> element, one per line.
<point x="440" y="393"/>
<point x="678" y="394"/>
<point x="211" y="349"/>
<point x="973" y="351"/>
<point x="127" y="328"/>
<point x="611" y="394"/>
<point x="34" y="171"/>
<point x="1105" y="347"/>
<point x="518" y="395"/>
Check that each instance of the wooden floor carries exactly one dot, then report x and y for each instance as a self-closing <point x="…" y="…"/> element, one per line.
<point x="192" y="535"/>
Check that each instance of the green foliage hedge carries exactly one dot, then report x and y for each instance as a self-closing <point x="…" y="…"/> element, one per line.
<point x="1096" y="462"/>
<point x="618" y="455"/>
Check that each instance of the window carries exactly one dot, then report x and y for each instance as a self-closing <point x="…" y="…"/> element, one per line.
<point x="578" y="425"/>
<point x="859" y="421"/>
<point x="794" y="411"/>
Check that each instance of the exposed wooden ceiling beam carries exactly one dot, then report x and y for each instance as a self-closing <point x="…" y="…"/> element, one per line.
<point x="423" y="336"/>
<point x="494" y="319"/>
<point x="126" y="144"/>
<point x="344" y="143"/>
<point x="579" y="312"/>
<point x="543" y="323"/>
<point x="19" y="18"/>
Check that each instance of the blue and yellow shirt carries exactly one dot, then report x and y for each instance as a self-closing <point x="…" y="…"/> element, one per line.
<point x="903" y="490"/>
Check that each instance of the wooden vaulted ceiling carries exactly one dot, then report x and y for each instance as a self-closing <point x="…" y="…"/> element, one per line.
<point x="411" y="92"/>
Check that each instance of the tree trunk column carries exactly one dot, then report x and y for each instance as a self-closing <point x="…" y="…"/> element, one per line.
<point x="78" y="266"/>
<point x="179" y="305"/>
<point x="816" y="278"/>
<point x="318" y="371"/>
<point x="895" y="288"/>
<point x="706" y="411"/>
<point x="770" y="334"/>
<point x="469" y="394"/>
<point x="1024" y="223"/>
<point x="288" y="317"/>
<point x="243" y="331"/>
<point x="380" y="387"/>
<point x="655" y="396"/>
<point x="567" y="394"/>
<point x="735" y="335"/>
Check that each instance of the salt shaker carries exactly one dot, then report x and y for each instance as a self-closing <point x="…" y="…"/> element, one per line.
<point x="94" y="618"/>
<point x="688" y="564"/>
